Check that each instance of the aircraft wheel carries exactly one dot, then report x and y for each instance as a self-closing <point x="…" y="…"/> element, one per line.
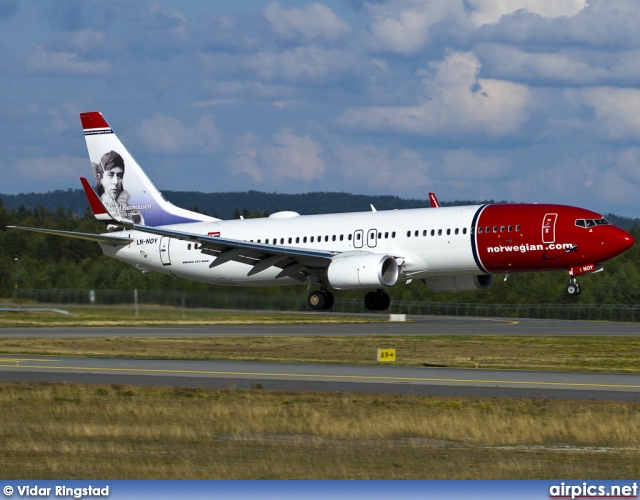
<point x="316" y="300"/>
<point x="371" y="301"/>
<point x="573" y="289"/>
<point x="384" y="301"/>
<point x="377" y="301"/>
<point x="328" y="301"/>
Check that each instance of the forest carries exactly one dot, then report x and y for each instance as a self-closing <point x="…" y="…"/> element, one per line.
<point x="38" y="261"/>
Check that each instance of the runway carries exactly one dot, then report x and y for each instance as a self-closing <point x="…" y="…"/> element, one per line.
<point x="417" y="325"/>
<point x="331" y="377"/>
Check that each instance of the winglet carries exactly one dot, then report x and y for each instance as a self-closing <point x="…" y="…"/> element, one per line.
<point x="434" y="201"/>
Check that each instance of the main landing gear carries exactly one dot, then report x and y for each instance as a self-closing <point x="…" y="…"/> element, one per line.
<point x="573" y="288"/>
<point x="320" y="300"/>
<point x="377" y="301"/>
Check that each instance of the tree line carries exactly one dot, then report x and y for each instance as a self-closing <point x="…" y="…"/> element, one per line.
<point x="34" y="260"/>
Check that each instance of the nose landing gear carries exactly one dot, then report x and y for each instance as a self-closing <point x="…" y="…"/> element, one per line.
<point x="573" y="289"/>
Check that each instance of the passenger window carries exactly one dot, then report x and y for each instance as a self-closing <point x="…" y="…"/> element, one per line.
<point x="518" y="228"/>
<point x="386" y="235"/>
<point x="457" y="231"/>
<point x="189" y="246"/>
<point x="408" y="234"/>
<point x="487" y="230"/>
<point x="439" y="232"/>
<point x="358" y="236"/>
<point x="424" y="233"/>
<point x="312" y="239"/>
<point x="502" y="229"/>
<point x="448" y="232"/>
<point x="290" y="241"/>
<point x="393" y="234"/>
<point x="304" y="240"/>
<point x="342" y="237"/>
<point x="333" y="238"/>
<point x="297" y="239"/>
<point x="379" y="236"/>
<point x="510" y="228"/>
<point x="433" y="232"/>
<point x="326" y="238"/>
<point x="464" y="230"/>
<point x="479" y="230"/>
<point x="416" y="233"/>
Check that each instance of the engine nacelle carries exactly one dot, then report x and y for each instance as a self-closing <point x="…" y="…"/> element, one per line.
<point x="459" y="283"/>
<point x="363" y="270"/>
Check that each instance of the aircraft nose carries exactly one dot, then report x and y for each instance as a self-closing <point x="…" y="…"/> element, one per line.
<point x="622" y="241"/>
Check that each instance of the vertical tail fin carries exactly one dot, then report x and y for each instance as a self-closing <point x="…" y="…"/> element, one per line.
<point x="124" y="188"/>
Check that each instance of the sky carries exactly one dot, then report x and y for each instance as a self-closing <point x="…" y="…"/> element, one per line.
<point x="515" y="100"/>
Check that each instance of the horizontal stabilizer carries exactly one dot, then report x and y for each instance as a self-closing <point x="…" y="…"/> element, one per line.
<point x="101" y="238"/>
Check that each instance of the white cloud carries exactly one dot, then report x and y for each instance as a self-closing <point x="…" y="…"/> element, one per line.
<point x="609" y="24"/>
<point x="165" y="134"/>
<point x="294" y="156"/>
<point x="559" y="66"/>
<point x="245" y="158"/>
<point x="455" y="103"/>
<point x="288" y="156"/>
<point x="303" y="64"/>
<point x="470" y="166"/>
<point x="48" y="173"/>
<point x="380" y="170"/>
<point x="42" y="61"/>
<point x="616" y="111"/>
<point x="491" y="11"/>
<point x="402" y="26"/>
<point x="311" y="22"/>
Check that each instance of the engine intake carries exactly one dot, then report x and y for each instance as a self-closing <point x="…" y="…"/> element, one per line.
<point x="363" y="271"/>
<point x="459" y="283"/>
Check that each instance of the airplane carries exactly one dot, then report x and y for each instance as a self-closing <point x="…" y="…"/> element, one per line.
<point x="454" y="248"/>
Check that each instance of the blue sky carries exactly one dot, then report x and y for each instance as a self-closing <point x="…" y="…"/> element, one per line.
<point x="519" y="100"/>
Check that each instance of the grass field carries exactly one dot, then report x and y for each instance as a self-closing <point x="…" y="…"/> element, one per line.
<point x="611" y="354"/>
<point x="76" y="431"/>
<point x="71" y="431"/>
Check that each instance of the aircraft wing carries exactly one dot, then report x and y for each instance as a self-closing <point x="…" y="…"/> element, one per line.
<point x="101" y="238"/>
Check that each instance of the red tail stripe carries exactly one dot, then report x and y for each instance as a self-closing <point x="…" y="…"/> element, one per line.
<point x="93" y="119"/>
<point x="96" y="205"/>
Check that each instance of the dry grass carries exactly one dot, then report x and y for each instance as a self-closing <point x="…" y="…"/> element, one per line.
<point x="159" y="315"/>
<point x="117" y="432"/>
<point x="610" y="354"/>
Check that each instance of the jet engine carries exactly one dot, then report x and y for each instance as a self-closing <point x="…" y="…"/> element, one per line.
<point x="363" y="270"/>
<point x="459" y="283"/>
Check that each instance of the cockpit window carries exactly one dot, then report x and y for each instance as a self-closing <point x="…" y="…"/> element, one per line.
<point x="592" y="222"/>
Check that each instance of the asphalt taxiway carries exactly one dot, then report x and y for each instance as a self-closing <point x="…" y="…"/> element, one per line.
<point x="332" y="377"/>
<point x="417" y="325"/>
<point x="323" y="377"/>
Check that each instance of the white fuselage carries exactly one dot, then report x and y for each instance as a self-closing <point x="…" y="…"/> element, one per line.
<point x="427" y="242"/>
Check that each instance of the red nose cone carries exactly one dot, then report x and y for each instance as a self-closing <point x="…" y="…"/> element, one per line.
<point x="623" y="241"/>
